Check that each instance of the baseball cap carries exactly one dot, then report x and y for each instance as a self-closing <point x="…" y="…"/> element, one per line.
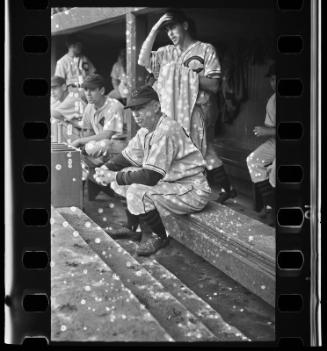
<point x="177" y="17"/>
<point x="57" y="81"/>
<point x="141" y="96"/>
<point x="93" y="81"/>
<point x="271" y="71"/>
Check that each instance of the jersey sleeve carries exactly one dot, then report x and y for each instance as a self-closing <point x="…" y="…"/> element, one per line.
<point x="270" y="120"/>
<point x="60" y="70"/>
<point x="155" y="61"/>
<point x="212" y="68"/>
<point x="115" y="119"/>
<point x="161" y="155"/>
<point x="134" y="151"/>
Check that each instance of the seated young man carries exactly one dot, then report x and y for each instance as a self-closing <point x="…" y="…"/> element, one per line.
<point x="66" y="110"/>
<point x="168" y="173"/>
<point x="259" y="160"/>
<point x="102" y="119"/>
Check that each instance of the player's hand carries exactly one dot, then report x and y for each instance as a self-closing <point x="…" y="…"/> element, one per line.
<point x="77" y="143"/>
<point x="162" y="20"/>
<point x="259" y="131"/>
<point x="104" y="176"/>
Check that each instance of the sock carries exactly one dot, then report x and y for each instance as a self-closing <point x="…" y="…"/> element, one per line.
<point x="220" y="177"/>
<point x="153" y="220"/>
<point x="132" y="220"/>
<point x="267" y="192"/>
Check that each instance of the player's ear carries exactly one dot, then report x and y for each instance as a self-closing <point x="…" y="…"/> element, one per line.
<point x="102" y="91"/>
<point x="185" y="25"/>
<point x="157" y="106"/>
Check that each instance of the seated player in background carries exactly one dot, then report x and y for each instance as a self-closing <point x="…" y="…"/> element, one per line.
<point x="167" y="174"/>
<point x="102" y="120"/>
<point x="259" y="160"/>
<point x="66" y="110"/>
<point x="74" y="67"/>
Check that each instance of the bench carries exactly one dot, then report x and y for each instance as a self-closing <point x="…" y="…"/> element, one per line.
<point x="239" y="246"/>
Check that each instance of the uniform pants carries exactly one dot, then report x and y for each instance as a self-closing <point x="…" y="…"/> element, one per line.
<point x="259" y="160"/>
<point x="183" y="197"/>
<point x="202" y="136"/>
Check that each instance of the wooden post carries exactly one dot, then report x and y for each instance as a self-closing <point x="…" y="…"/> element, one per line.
<point x="135" y="36"/>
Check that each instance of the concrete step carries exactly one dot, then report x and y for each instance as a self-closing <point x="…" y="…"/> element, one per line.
<point x="241" y="247"/>
<point x="196" y="305"/>
<point x="89" y="302"/>
<point x="172" y="314"/>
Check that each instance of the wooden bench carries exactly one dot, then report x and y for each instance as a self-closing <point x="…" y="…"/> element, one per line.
<point x="241" y="247"/>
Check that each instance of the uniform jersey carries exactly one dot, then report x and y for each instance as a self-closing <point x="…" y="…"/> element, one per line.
<point x="118" y="72"/>
<point x="270" y="120"/>
<point x="167" y="150"/>
<point x="74" y="69"/>
<point x="199" y="57"/>
<point x="71" y="107"/>
<point x="110" y="116"/>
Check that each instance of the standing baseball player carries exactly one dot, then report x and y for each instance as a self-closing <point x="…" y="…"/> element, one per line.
<point x="66" y="109"/>
<point x="102" y="120"/>
<point x="259" y="160"/>
<point x="187" y="74"/>
<point x="74" y="66"/>
<point x="167" y="174"/>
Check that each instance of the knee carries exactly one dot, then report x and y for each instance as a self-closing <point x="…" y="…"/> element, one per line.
<point x="249" y="160"/>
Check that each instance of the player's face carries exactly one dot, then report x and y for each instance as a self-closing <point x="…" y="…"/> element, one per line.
<point x="76" y="49"/>
<point x="272" y="81"/>
<point x="145" y="116"/>
<point x="175" y="32"/>
<point x="94" y="95"/>
<point x="57" y="92"/>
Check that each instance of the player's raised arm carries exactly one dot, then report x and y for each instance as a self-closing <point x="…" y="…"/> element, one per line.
<point x="145" y="53"/>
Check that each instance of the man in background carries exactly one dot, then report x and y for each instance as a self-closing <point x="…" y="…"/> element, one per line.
<point x="66" y="109"/>
<point x="74" y="67"/>
<point x="264" y="156"/>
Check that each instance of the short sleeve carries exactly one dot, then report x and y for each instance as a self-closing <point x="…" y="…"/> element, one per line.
<point x="115" y="119"/>
<point x="60" y="70"/>
<point x="161" y="155"/>
<point x="270" y="120"/>
<point x="212" y="68"/>
<point x="134" y="151"/>
<point x="155" y="61"/>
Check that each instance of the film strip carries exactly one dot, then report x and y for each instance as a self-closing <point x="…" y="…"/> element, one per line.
<point x="27" y="273"/>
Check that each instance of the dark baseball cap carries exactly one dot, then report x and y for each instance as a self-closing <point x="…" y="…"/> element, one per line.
<point x="57" y="81"/>
<point x="271" y="71"/>
<point x="177" y="17"/>
<point x="141" y="96"/>
<point x="93" y="81"/>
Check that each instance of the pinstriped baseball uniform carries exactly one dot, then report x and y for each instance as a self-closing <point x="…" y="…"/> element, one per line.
<point x="169" y="151"/>
<point x="265" y="154"/>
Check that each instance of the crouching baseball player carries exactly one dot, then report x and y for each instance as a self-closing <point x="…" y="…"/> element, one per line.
<point x="259" y="160"/>
<point x="103" y="121"/>
<point x="159" y="172"/>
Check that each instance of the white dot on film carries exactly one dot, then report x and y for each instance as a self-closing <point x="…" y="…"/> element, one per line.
<point x="97" y="241"/>
<point x="73" y="208"/>
<point x="87" y="288"/>
<point x="52" y="221"/>
<point x="75" y="233"/>
<point x="111" y="205"/>
<point x="74" y="179"/>
<point x="87" y="224"/>
<point x="63" y="328"/>
<point x="100" y="210"/>
<point x="65" y="224"/>
<point x="58" y="167"/>
<point x="83" y="302"/>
